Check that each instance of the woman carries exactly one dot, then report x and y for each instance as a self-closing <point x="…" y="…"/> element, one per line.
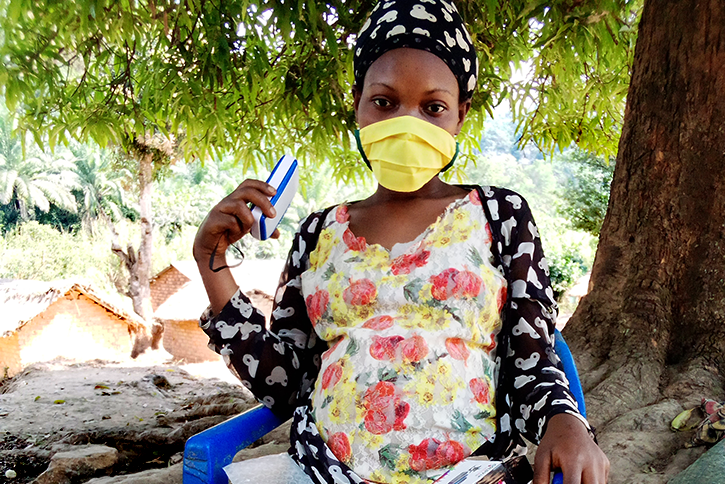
<point x="413" y="328"/>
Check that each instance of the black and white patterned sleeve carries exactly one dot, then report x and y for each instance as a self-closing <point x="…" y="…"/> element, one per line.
<point x="536" y="386"/>
<point x="278" y="365"/>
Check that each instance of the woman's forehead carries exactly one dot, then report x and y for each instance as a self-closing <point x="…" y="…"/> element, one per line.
<point x="407" y="68"/>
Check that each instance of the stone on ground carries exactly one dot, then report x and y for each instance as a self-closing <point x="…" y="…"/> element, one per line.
<point x="83" y="461"/>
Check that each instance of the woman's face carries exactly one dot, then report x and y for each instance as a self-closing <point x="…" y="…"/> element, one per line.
<point x="410" y="82"/>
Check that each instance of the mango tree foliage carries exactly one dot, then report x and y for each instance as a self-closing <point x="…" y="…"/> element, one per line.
<point x="260" y="77"/>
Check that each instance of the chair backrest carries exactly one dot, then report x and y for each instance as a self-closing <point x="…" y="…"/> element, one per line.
<point x="206" y="453"/>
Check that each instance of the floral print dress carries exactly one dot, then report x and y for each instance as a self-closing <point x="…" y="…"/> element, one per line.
<point x="375" y="353"/>
<point x="408" y="383"/>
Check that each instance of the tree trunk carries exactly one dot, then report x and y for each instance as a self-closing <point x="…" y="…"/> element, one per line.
<point x="138" y="263"/>
<point x="652" y="327"/>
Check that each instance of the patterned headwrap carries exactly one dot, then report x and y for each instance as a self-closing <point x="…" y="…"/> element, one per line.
<point x="431" y="25"/>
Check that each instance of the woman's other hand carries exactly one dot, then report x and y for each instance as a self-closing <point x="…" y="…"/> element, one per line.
<point x="566" y="445"/>
<point x="227" y="222"/>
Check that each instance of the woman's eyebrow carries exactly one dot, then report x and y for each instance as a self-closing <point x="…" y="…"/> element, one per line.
<point x="428" y="92"/>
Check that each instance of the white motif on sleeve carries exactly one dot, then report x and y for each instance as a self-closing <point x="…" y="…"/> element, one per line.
<point x="487" y="191"/>
<point x="226" y="351"/>
<point x="506" y="259"/>
<point x="514" y="200"/>
<point x="542" y="421"/>
<point x="279" y="347"/>
<point x="506" y="228"/>
<point x="294" y="334"/>
<point x="529" y="363"/>
<point x="544" y="265"/>
<point x="280" y="294"/>
<point x="227" y="331"/>
<point x="268" y="401"/>
<point x="552" y="355"/>
<point x="550" y="293"/>
<point x="297" y="255"/>
<point x="338" y="476"/>
<point x="251" y="363"/>
<point x="520" y="424"/>
<point x="525" y="248"/>
<point x="525" y="411"/>
<point x="564" y="401"/>
<point x="540" y="404"/>
<point x="247" y="328"/>
<point x="506" y="423"/>
<point x="447" y="15"/>
<point x="522" y="380"/>
<point x="533" y="278"/>
<point x="493" y="208"/>
<point x="524" y="327"/>
<point x="518" y="289"/>
<point x="278" y="375"/>
<point x="313" y="225"/>
<point x="245" y="309"/>
<point x="280" y="313"/>
<point x="533" y="230"/>
<point x="420" y="31"/>
<point x="295" y="361"/>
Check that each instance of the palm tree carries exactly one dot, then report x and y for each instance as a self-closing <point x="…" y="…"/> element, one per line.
<point x="33" y="182"/>
<point x="100" y="185"/>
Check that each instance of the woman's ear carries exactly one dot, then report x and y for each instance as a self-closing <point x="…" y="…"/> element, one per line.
<point x="463" y="109"/>
<point x="357" y="95"/>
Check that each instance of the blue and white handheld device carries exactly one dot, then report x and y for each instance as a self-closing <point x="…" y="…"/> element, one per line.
<point x="285" y="178"/>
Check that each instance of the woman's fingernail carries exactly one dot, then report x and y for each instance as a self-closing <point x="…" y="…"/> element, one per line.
<point x="273" y="212"/>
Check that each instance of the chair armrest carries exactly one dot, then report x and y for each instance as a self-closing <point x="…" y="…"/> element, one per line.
<point x="207" y="452"/>
<point x="567" y="361"/>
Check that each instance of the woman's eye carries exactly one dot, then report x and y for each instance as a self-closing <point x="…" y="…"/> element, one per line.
<point x="436" y="108"/>
<point x="381" y="103"/>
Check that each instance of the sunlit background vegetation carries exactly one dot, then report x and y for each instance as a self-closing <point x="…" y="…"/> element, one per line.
<point x="57" y="207"/>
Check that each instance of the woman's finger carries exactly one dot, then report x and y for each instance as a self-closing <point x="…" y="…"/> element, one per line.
<point x="542" y="467"/>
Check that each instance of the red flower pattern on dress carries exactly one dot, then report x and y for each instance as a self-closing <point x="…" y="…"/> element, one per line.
<point x="317" y="304"/>
<point x="480" y="390"/>
<point x="331" y="375"/>
<point x="454" y="283"/>
<point x="360" y="293"/>
<point x="489" y="235"/>
<point x="339" y="444"/>
<point x="474" y="198"/>
<point x="341" y="214"/>
<point x="354" y="243"/>
<point x="385" y="348"/>
<point x="501" y="298"/>
<point x="379" y="323"/>
<point x="434" y="454"/>
<point x="414" y="348"/>
<point x="405" y="263"/>
<point x="384" y="409"/>
<point x="457" y="348"/>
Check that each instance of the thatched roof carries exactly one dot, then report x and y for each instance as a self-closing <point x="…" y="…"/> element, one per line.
<point x="23" y="300"/>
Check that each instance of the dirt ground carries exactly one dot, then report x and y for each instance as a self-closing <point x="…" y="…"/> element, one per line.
<point x="144" y="407"/>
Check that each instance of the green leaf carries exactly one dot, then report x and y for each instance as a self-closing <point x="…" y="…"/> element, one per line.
<point x="352" y="348"/>
<point x="475" y="257"/>
<point x="412" y="290"/>
<point x="387" y="374"/>
<point x="389" y="456"/>
<point x="459" y="422"/>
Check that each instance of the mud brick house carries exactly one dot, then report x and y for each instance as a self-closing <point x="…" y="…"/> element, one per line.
<point x="179" y="298"/>
<point x="40" y="321"/>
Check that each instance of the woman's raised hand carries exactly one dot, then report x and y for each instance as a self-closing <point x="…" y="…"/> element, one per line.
<point x="227" y="222"/>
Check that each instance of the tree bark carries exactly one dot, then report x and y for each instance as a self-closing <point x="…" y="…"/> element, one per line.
<point x="138" y="263"/>
<point x="652" y="326"/>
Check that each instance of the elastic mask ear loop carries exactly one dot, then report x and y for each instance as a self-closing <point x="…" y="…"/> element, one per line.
<point x="362" y="152"/>
<point x="450" y="163"/>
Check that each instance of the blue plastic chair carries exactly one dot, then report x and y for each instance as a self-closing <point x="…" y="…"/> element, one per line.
<point x="206" y="453"/>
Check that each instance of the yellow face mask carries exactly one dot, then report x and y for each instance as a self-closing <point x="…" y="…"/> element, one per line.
<point x="405" y="152"/>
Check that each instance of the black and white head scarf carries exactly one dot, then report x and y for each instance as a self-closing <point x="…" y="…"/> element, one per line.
<point x="431" y="25"/>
